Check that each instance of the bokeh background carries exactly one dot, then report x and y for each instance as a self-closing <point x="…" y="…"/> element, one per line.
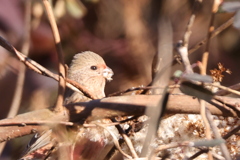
<point x="123" y="32"/>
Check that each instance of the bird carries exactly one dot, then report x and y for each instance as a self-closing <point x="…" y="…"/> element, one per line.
<point x="89" y="70"/>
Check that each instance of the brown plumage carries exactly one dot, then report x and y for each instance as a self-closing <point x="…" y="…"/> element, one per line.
<point x="89" y="70"/>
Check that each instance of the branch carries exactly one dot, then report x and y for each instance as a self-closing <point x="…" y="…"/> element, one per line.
<point x="203" y="70"/>
<point x="217" y="135"/>
<point x="161" y="77"/>
<point x="127" y="140"/>
<point x="61" y="69"/>
<point x="10" y="132"/>
<point x="115" y="141"/>
<point x="232" y="89"/>
<point x="21" y="72"/>
<point x="105" y="108"/>
<point x="42" y="70"/>
<point x="214" y="34"/>
<point x="182" y="46"/>
<point x="226" y="136"/>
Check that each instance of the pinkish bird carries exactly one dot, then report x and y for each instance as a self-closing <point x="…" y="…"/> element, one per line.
<point x="90" y="70"/>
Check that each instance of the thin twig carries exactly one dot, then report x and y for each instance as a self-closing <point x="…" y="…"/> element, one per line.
<point x="203" y="108"/>
<point x="217" y="135"/>
<point x="226" y="136"/>
<point x="126" y="139"/>
<point x="230" y="133"/>
<point x="203" y="70"/>
<point x="215" y="6"/>
<point x="133" y="89"/>
<point x="206" y="122"/>
<point x="61" y="68"/>
<point x="115" y="141"/>
<point x="182" y="46"/>
<point x="80" y="87"/>
<point x="231" y="106"/>
<point x="36" y="67"/>
<point x="198" y="144"/>
<point x="35" y="123"/>
<point x="21" y="76"/>
<point x="21" y="73"/>
<point x="228" y="89"/>
<point x="173" y="145"/>
<point x="217" y="156"/>
<point x="113" y="123"/>
<point x="214" y="34"/>
<point x="45" y="122"/>
<point x="223" y="92"/>
<point x="198" y="45"/>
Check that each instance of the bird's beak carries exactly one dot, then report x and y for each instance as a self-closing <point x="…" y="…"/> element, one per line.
<point x="108" y="73"/>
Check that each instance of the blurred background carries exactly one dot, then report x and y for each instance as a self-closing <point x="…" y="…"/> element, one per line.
<point x="123" y="32"/>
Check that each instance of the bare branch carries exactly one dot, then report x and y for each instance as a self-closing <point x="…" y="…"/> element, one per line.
<point x="161" y="77"/>
<point x="224" y="92"/>
<point x="43" y="71"/>
<point x="203" y="70"/>
<point x="226" y="89"/>
<point x="21" y="73"/>
<point x="115" y="141"/>
<point x="21" y="76"/>
<point x="217" y="135"/>
<point x="214" y="34"/>
<point x="127" y="140"/>
<point x="182" y="46"/>
<point x="106" y="108"/>
<point x="226" y="136"/>
<point x="61" y="67"/>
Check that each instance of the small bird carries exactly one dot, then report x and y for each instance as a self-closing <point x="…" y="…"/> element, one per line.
<point x="90" y="70"/>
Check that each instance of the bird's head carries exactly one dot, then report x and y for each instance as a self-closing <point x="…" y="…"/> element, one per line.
<point x="90" y="70"/>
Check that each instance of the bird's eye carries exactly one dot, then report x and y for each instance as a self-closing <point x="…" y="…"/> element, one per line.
<point x="93" y="67"/>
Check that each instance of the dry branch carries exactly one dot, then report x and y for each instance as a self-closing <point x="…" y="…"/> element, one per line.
<point x="203" y="70"/>
<point x="106" y="108"/>
<point x="214" y="34"/>
<point x="10" y="132"/>
<point x="61" y="67"/>
<point x="42" y="70"/>
<point x="127" y="140"/>
<point x="226" y="136"/>
<point x="217" y="135"/>
<point x="161" y="77"/>
<point x="17" y="97"/>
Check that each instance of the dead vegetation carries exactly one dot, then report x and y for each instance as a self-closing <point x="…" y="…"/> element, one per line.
<point x="173" y="116"/>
